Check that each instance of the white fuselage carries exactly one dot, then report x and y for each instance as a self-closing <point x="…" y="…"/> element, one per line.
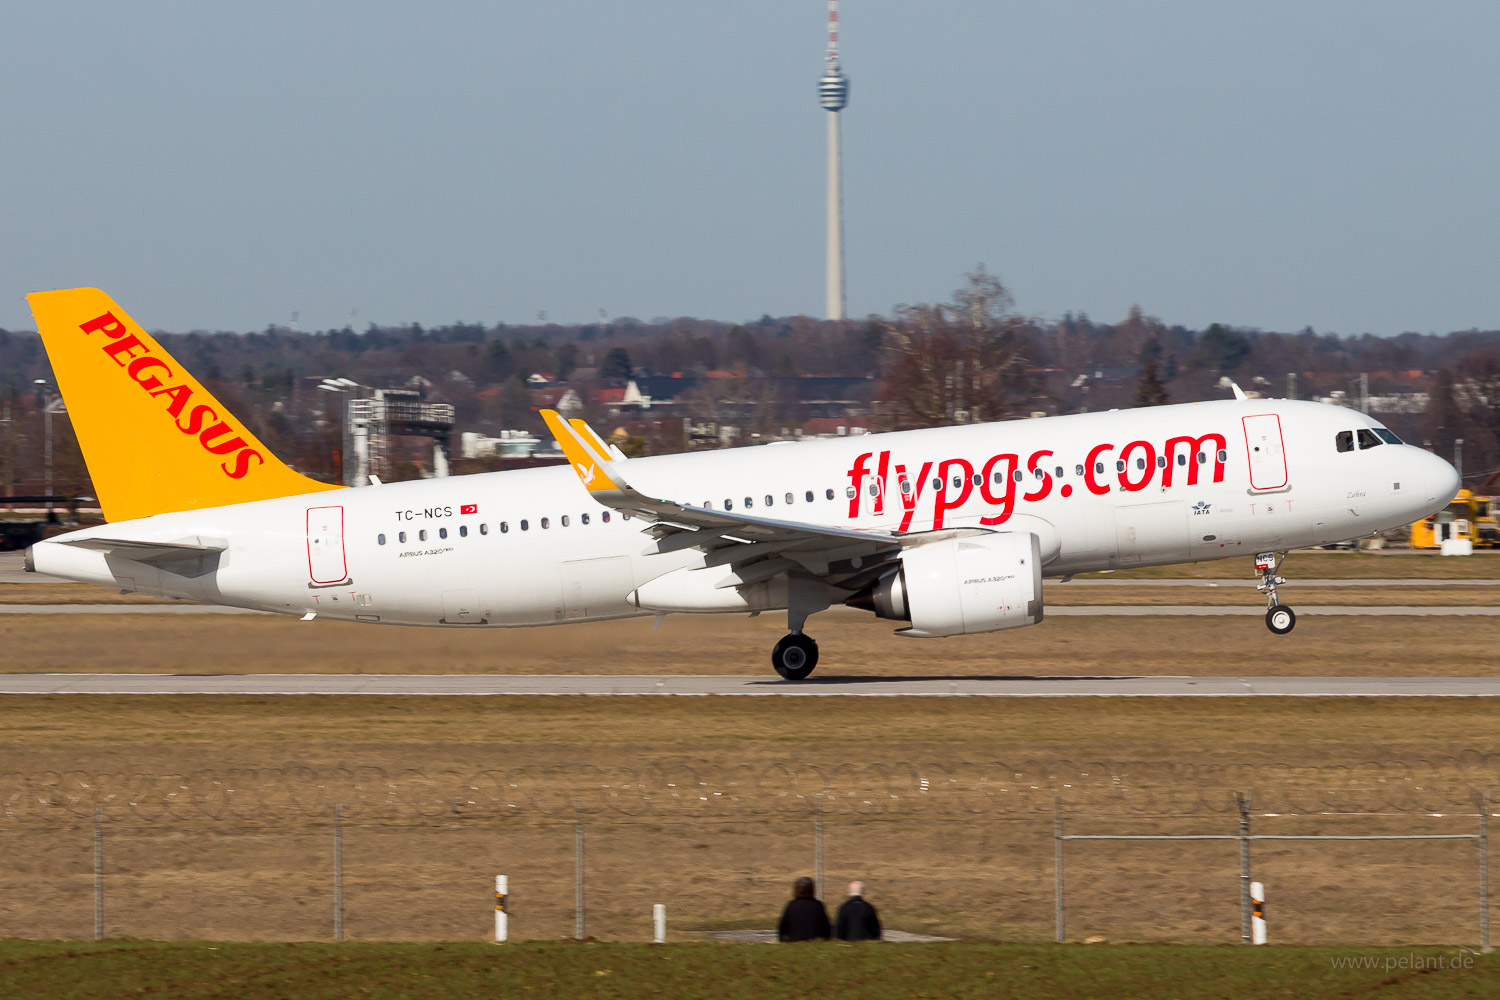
<point x="1136" y="487"/>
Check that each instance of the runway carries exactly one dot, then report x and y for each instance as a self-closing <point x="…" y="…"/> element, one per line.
<point x="1060" y="611"/>
<point x="469" y="685"/>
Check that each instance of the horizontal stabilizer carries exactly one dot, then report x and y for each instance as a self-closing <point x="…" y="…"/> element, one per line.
<point x="152" y="553"/>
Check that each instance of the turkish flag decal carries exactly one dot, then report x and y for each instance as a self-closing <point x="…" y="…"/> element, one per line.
<point x="469" y="508"/>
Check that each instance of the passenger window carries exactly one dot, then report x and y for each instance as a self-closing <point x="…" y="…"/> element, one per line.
<point x="1059" y="471"/>
<point x="849" y="491"/>
<point x="624" y="517"/>
<point x="1078" y="470"/>
<point x="524" y="525"/>
<point x="422" y="535"/>
<point x="708" y="505"/>
<point x="937" y="484"/>
<point x="584" y="518"/>
<point x="873" y="489"/>
<point x="546" y="523"/>
<point x="605" y="516"/>
<point x="442" y="532"/>
<point x="1140" y="463"/>
<point x="565" y="520"/>
<point x="830" y="493"/>
<point x="401" y="538"/>
<point x="978" y="479"/>
<point x="769" y="500"/>
<point x="1039" y="473"/>
<point x="906" y="486"/>
<point x="728" y="504"/>
<point x="1016" y="475"/>
<point x="504" y="527"/>
<point x="958" y="481"/>
<point x="1368" y="439"/>
<point x="1181" y="459"/>
<point x="1223" y="455"/>
<point x="790" y="498"/>
<point x="999" y="477"/>
<point x="484" y="529"/>
<point x="809" y="496"/>
<point x="1098" y="468"/>
<point x="1161" y="461"/>
<point x="380" y="539"/>
<point x="463" y="531"/>
<point x="749" y="502"/>
<point x="1120" y="465"/>
<point x="1344" y="441"/>
<point x="1202" y="458"/>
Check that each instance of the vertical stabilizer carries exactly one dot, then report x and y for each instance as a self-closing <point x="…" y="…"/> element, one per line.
<point x="154" y="439"/>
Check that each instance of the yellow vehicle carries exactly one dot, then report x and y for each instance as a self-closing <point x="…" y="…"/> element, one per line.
<point x="1467" y="517"/>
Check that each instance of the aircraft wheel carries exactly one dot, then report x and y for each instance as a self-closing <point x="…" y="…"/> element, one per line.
<point x="795" y="656"/>
<point x="1281" y="619"/>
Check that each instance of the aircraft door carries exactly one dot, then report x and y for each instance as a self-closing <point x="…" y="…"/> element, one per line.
<point x="594" y="588"/>
<point x="1151" y="532"/>
<point x="461" y="607"/>
<point x="326" y="565"/>
<point x="1266" y="451"/>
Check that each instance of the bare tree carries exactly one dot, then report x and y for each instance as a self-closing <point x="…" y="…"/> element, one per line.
<point x="953" y="362"/>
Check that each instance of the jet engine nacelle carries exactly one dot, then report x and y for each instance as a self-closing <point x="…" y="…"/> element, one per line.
<point x="958" y="586"/>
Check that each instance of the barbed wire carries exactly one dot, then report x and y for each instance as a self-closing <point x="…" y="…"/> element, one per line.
<point x="705" y="789"/>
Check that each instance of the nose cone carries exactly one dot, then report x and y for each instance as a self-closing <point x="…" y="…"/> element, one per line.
<point x="1440" y="480"/>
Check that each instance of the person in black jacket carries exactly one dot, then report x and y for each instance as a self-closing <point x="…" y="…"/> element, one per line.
<point x="857" y="920"/>
<point x="804" y="918"/>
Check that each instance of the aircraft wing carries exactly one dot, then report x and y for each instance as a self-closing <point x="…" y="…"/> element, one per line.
<point x="754" y="548"/>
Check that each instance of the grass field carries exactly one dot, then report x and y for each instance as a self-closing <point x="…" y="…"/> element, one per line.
<point x="945" y="807"/>
<point x="312" y="971"/>
<point x="852" y="644"/>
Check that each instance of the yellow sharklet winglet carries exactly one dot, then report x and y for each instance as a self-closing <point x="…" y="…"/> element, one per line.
<point x="153" y="438"/>
<point x="589" y="466"/>
<point x="592" y="439"/>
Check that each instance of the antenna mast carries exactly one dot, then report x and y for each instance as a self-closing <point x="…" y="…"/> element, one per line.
<point x="833" y="95"/>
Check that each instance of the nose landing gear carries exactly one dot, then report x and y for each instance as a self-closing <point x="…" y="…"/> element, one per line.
<point x="1279" y="618"/>
<point x="795" y="656"/>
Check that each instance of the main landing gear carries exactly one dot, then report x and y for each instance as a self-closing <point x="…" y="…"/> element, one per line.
<point x="1279" y="618"/>
<point x="795" y="656"/>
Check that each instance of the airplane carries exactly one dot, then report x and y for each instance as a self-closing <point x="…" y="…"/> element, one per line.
<point x="949" y="531"/>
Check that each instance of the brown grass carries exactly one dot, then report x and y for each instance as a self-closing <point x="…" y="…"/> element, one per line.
<point x="851" y="643"/>
<point x="1313" y="564"/>
<point x="933" y="863"/>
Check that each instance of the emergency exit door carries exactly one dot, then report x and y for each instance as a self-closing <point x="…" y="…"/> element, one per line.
<point x="1266" y="452"/>
<point x="325" y="546"/>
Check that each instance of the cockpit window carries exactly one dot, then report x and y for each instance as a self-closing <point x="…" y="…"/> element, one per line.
<point x="1386" y="436"/>
<point x="1344" y="441"/>
<point x="1367" y="438"/>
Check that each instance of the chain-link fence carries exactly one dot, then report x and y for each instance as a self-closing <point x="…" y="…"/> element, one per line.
<point x="952" y="848"/>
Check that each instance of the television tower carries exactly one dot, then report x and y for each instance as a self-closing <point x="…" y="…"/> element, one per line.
<point x="833" y="94"/>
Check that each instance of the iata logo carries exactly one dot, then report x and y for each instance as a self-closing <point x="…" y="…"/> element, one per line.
<point x="126" y="350"/>
<point x="1202" y="507"/>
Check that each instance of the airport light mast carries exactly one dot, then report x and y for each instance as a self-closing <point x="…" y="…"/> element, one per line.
<point x="833" y="94"/>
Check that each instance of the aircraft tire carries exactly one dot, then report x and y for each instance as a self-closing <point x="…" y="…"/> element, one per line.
<point x="1281" y="619"/>
<point x="795" y="656"/>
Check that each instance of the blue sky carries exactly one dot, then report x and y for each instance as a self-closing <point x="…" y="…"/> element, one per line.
<point x="1273" y="164"/>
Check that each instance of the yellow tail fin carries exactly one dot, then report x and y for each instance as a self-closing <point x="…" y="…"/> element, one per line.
<point x="153" y="438"/>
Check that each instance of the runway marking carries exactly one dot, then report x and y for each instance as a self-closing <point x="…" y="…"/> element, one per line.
<point x="831" y="685"/>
